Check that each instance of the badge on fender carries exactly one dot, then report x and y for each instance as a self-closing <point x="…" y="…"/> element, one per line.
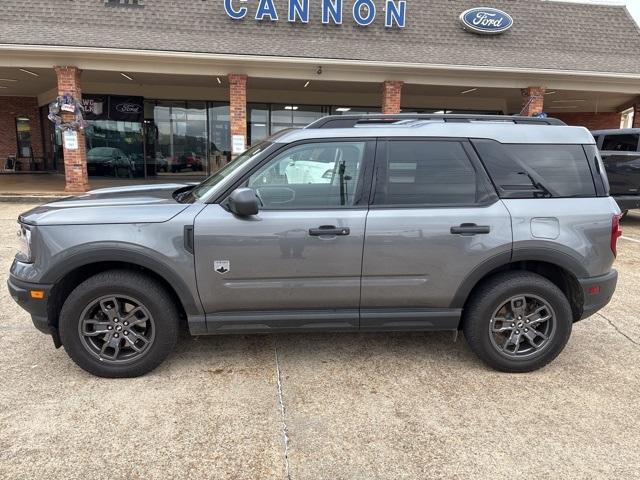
<point x="221" y="266"/>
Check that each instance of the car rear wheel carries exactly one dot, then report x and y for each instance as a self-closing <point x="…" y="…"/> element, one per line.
<point x="517" y="321"/>
<point x="118" y="324"/>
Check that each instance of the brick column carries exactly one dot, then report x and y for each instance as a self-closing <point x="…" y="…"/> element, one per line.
<point x="532" y="101"/>
<point x="391" y="96"/>
<point x="636" y="116"/>
<point x="75" y="161"/>
<point x="238" y="106"/>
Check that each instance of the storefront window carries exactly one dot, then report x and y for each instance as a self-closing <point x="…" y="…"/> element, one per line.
<point x="219" y="135"/>
<point x="23" y="134"/>
<point x="114" y="136"/>
<point x="258" y="122"/>
<point x="294" y="116"/>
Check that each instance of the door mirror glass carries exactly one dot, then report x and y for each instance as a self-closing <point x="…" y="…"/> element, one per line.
<point x="243" y="202"/>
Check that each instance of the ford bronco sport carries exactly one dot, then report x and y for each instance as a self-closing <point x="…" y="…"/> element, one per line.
<point x="501" y="227"/>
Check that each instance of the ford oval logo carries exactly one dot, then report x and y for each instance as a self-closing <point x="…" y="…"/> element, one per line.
<point x="486" y="20"/>
<point x="128" y="108"/>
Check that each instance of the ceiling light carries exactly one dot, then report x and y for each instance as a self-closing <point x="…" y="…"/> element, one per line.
<point x="553" y="92"/>
<point x="2" y="86"/>
<point x="567" y="101"/>
<point x="291" y="107"/>
<point x="571" y="106"/>
<point x="342" y="109"/>
<point x="259" y="124"/>
<point x="306" y="84"/>
<point x="29" y="72"/>
<point x="468" y="91"/>
<point x="219" y="81"/>
<point x="8" y="80"/>
<point x="126" y="76"/>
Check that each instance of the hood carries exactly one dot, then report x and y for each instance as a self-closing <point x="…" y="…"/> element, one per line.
<point x="132" y="204"/>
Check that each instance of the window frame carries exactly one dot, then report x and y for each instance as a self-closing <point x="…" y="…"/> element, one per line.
<point x="482" y="178"/>
<point x="363" y="186"/>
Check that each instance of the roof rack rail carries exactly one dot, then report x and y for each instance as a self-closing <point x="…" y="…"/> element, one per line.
<point x="350" y="121"/>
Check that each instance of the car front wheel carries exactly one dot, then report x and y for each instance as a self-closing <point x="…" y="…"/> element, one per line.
<point x="118" y="324"/>
<point x="517" y="321"/>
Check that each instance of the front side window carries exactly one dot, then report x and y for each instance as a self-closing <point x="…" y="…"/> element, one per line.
<point x="311" y="175"/>
<point x="426" y="172"/>
<point x="621" y="143"/>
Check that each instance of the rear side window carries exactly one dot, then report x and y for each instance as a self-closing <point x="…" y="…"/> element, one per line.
<point x="426" y="172"/>
<point x="621" y="143"/>
<point x="537" y="171"/>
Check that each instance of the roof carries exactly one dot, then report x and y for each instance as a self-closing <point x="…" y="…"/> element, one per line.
<point x="499" y="131"/>
<point x="546" y="35"/>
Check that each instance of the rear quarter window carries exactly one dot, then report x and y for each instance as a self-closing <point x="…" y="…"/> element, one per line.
<point x="537" y="171"/>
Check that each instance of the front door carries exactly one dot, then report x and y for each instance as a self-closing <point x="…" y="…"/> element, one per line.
<point x="297" y="264"/>
<point x="433" y="221"/>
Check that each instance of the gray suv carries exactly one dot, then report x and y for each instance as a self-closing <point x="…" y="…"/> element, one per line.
<point x="501" y="227"/>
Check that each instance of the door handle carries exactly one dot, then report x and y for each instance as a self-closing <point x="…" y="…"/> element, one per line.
<point x="329" y="230"/>
<point x="470" y="229"/>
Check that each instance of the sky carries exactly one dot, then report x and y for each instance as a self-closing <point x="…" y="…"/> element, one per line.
<point x="632" y="5"/>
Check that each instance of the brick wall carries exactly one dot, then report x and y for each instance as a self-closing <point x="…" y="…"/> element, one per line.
<point x="636" y="115"/>
<point x="10" y="108"/>
<point x="592" y="121"/>
<point x="238" y="105"/>
<point x="391" y="96"/>
<point x="532" y="101"/>
<point x="75" y="161"/>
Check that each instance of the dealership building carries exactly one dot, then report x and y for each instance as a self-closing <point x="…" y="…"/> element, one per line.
<point x="177" y="88"/>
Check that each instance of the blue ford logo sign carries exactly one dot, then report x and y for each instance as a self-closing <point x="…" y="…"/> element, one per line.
<point x="486" y="20"/>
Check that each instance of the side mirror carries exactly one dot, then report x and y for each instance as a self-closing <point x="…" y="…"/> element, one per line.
<point x="243" y="202"/>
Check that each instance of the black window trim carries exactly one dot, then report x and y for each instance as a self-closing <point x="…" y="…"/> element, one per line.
<point x="481" y="175"/>
<point x="364" y="180"/>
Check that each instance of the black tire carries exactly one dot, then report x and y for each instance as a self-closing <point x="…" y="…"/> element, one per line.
<point x="497" y="291"/>
<point x="146" y="291"/>
<point x="624" y="214"/>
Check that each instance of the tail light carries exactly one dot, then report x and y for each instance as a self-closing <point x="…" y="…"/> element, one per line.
<point x="616" y="233"/>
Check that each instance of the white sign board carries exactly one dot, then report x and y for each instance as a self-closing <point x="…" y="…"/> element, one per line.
<point x="70" y="138"/>
<point x="237" y="144"/>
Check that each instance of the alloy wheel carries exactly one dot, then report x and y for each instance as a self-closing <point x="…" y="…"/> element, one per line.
<point x="522" y="326"/>
<point x="116" y="329"/>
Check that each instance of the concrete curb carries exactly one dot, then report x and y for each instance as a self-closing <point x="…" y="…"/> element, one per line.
<point x="31" y="197"/>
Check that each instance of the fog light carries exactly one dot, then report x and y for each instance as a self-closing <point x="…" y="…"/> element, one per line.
<point x="37" y="294"/>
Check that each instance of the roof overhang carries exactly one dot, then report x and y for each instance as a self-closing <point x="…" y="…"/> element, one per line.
<point x="190" y="63"/>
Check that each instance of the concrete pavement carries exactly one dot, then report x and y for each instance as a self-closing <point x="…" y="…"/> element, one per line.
<point x="353" y="406"/>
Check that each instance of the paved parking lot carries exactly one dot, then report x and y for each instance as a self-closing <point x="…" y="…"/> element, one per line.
<point x="353" y="406"/>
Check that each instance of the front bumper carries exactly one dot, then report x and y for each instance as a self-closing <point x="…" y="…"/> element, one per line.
<point x="20" y="291"/>
<point x="627" y="202"/>
<point x="597" y="292"/>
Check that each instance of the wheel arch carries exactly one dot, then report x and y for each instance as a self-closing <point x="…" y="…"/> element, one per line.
<point x="561" y="273"/>
<point x="68" y="274"/>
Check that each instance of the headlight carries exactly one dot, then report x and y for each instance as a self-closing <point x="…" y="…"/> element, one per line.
<point x="24" y="244"/>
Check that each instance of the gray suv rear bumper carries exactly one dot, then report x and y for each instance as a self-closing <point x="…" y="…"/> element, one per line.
<point x="597" y="292"/>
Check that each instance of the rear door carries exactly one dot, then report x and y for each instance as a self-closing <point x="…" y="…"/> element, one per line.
<point x="433" y="221"/>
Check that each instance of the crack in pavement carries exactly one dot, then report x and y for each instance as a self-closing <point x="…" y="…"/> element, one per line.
<point x="285" y="430"/>
<point x="619" y="331"/>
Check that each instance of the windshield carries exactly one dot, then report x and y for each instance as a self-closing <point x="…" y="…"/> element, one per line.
<point x="205" y="187"/>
